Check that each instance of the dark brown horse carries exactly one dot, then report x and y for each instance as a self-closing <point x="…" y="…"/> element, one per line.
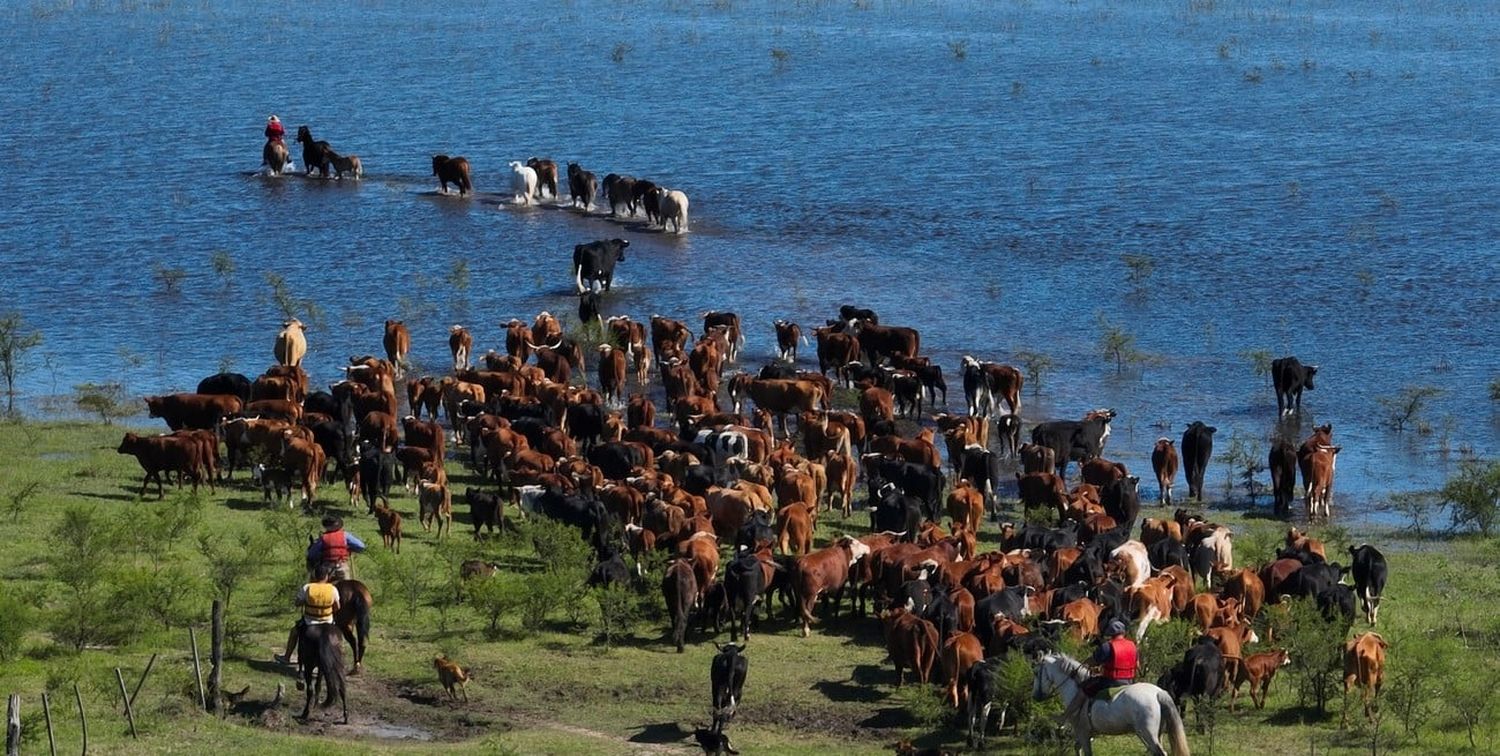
<point x="452" y="170"/>
<point x="274" y="156"/>
<point x="319" y="651"/>
<point x="353" y="617"/>
<point x="546" y="175"/>
<point x="314" y="153"/>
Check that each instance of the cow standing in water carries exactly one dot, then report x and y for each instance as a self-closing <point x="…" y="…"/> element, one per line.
<point x="1290" y="377"/>
<point x="1197" y="450"/>
<point x="1164" y="463"/>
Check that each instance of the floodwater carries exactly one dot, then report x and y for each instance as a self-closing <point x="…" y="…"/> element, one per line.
<point x="1316" y="179"/>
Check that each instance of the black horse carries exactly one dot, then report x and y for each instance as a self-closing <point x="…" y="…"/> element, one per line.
<point x="353" y="617"/>
<point x="319" y="650"/>
<point x="315" y="154"/>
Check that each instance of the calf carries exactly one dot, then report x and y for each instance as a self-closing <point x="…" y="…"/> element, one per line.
<point x="1364" y="664"/>
<point x="389" y="521"/>
<point x="436" y="506"/>
<point x="460" y="344"/>
<point x="911" y="641"/>
<point x="787" y="336"/>
<point x="1369" y="578"/>
<point x="1258" y="670"/>
<point x="1319" y="481"/>
<point x="1197" y="450"/>
<point x="485" y="510"/>
<point x="1290" y="377"/>
<point x="1164" y="463"/>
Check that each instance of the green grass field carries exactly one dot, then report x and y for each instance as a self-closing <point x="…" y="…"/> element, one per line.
<point x="81" y="545"/>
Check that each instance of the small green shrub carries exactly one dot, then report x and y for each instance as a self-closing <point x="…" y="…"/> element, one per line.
<point x="1315" y="647"/>
<point x="1473" y="496"/>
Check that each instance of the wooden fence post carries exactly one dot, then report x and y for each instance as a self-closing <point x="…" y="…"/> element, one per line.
<point x="13" y="725"/>
<point x="83" y="721"/>
<point x="216" y="659"/>
<point x="125" y="699"/>
<point x="198" y="670"/>
<point x="47" y="712"/>
<point x="142" y="681"/>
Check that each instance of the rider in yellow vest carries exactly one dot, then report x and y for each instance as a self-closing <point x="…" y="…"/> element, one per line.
<point x="319" y="600"/>
<point x="1116" y="661"/>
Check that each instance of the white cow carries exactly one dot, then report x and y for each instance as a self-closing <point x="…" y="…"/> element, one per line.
<point x="522" y="182"/>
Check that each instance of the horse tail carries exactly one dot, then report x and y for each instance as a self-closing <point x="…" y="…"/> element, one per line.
<point x="331" y="664"/>
<point x="1172" y="721"/>
<point x="362" y="615"/>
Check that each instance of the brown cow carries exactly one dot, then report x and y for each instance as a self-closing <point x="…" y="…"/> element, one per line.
<point x="794" y="527"/>
<point x="545" y="329"/>
<point x="911" y="641"/>
<point x="876" y="404"/>
<point x="291" y="343"/>
<point x="1082" y="617"/>
<point x="1042" y="489"/>
<point x="703" y="550"/>
<point x="1164" y="463"/>
<point x="787" y="336"/>
<point x="631" y="337"/>
<point x="1299" y="541"/>
<point x="668" y="337"/>
<point x="842" y="471"/>
<point x="1036" y="458"/>
<point x="517" y="336"/>
<point x="1282" y="462"/>
<point x="397" y="344"/>
<point x="1319" y="481"/>
<point x="730" y="322"/>
<point x="460" y="344"/>
<point x="169" y="454"/>
<point x="1150" y="602"/>
<point x="306" y="459"/>
<point x="1258" y="670"/>
<point x="435" y="504"/>
<point x="777" y="396"/>
<point x="824" y="571"/>
<point x="961" y="651"/>
<point x="195" y="411"/>
<point x="966" y="506"/>
<point x="883" y="341"/>
<point x="612" y="372"/>
<point x="835" y="349"/>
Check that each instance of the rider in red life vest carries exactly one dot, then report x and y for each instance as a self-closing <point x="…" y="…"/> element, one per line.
<point x="1116" y="660"/>
<point x="274" y="131"/>
<point x="333" y="548"/>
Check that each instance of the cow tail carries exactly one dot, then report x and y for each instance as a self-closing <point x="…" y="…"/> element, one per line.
<point x="1172" y="721"/>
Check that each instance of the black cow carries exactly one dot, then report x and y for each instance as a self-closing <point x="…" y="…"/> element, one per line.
<point x="1167" y="552"/>
<point x="913" y="479"/>
<point x="942" y="613"/>
<point x="727" y="672"/>
<point x="1122" y="500"/>
<point x="1008" y="434"/>
<point x="743" y="583"/>
<point x="979" y="679"/>
<point x="1369" y="578"/>
<point x="596" y="262"/>
<point x="610" y="570"/>
<point x="616" y="459"/>
<point x="484" y="510"/>
<point x="229" y="384"/>
<point x="714" y="743"/>
<point x="1337" y="602"/>
<point x="1311" y="580"/>
<point x="1197" y="449"/>
<point x="1282" y="462"/>
<point x="339" y="407"/>
<point x="337" y="443"/>
<point x="1036" y="537"/>
<point x="377" y="471"/>
<point x="588" y="310"/>
<point x="1200" y="561"/>
<point x="1080" y="440"/>
<point x="1290" y="377"/>
<point x="915" y="595"/>
<point x="850" y="312"/>
<point x="755" y="532"/>
<point x="1200" y="674"/>
<point x="579" y="511"/>
<point x="777" y="371"/>
<point x="586" y="424"/>
<point x="895" y="512"/>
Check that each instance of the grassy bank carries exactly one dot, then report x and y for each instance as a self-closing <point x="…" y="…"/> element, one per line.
<point x="81" y="545"/>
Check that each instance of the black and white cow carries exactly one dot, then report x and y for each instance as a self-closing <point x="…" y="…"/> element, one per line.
<point x="892" y="511"/>
<point x="1197" y="449"/>
<point x="976" y="386"/>
<point x="724" y="445"/>
<point x="595" y="262"/>
<point x="588" y="309"/>
<point x="1369" y="578"/>
<point x="1290" y="376"/>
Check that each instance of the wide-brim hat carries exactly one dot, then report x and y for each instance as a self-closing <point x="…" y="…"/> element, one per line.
<point x="273" y="119"/>
<point x="1115" y="627"/>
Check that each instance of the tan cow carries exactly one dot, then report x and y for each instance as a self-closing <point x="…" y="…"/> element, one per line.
<point x="1364" y="664"/>
<point x="291" y="343"/>
<point x="460" y="344"/>
<point x="397" y="345"/>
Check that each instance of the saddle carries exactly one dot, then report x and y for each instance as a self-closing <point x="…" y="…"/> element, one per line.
<point x="1108" y="694"/>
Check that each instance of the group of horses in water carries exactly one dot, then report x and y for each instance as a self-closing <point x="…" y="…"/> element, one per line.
<point x="316" y="154"/>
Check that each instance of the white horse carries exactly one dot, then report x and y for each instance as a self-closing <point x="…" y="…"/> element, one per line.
<point x="674" y="210"/>
<point x="1141" y="708"/>
<point x="522" y="182"/>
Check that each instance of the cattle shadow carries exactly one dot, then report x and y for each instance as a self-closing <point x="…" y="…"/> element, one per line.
<point x="130" y="497"/>
<point x="660" y="734"/>
<point x="419" y="698"/>
<point x="890" y="718"/>
<point x="247" y="505"/>
<point x="1298" y="715"/>
<point x="845" y="692"/>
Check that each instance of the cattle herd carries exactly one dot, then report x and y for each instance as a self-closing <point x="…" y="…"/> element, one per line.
<point x="728" y="473"/>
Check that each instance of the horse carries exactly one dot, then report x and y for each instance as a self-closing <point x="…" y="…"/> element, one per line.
<point x="275" y="156"/>
<point x="353" y="617"/>
<point x="1141" y="708"/>
<point x="318" y="650"/>
<point x="343" y="165"/>
<point x="314" y="153"/>
<point x="454" y="170"/>
<point x="522" y="182"/>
